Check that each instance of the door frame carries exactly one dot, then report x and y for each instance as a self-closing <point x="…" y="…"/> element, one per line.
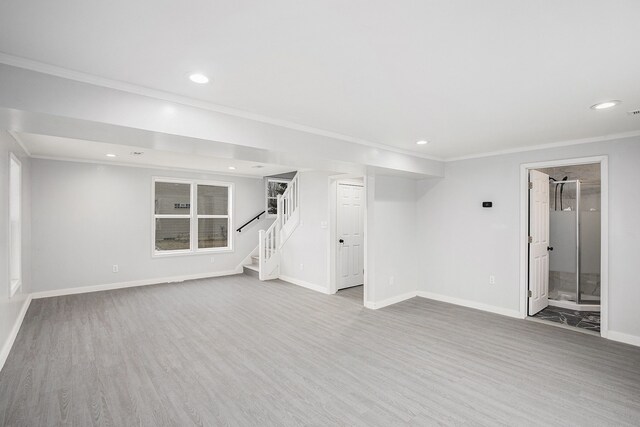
<point x="15" y="248"/>
<point x="604" y="231"/>
<point x="332" y="253"/>
<point x="539" y="247"/>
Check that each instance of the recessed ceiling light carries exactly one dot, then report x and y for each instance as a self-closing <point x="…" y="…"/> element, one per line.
<point x="422" y="142"/>
<point x="232" y="168"/>
<point x="199" y="78"/>
<point x="111" y="155"/>
<point x="605" y="105"/>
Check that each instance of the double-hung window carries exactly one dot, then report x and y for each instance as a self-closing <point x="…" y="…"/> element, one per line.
<point x="191" y="216"/>
<point x="275" y="187"/>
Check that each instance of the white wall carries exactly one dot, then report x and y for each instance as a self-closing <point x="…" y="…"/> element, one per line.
<point x="391" y="239"/>
<point x="11" y="308"/>
<point x="110" y="115"/>
<point x="308" y="243"/>
<point x="461" y="244"/>
<point x="88" y="217"/>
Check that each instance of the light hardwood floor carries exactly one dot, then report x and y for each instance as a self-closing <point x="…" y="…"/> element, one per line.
<point x="236" y="351"/>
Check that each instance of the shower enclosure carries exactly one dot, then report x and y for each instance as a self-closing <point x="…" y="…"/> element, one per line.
<point x="574" y="235"/>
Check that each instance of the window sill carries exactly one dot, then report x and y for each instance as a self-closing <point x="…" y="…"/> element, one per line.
<point x="191" y="253"/>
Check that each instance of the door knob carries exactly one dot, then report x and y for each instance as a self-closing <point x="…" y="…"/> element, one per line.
<point x="549" y="248"/>
<point x="341" y="241"/>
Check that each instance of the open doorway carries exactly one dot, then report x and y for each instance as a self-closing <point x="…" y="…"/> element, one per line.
<point x="347" y="237"/>
<point x="565" y="263"/>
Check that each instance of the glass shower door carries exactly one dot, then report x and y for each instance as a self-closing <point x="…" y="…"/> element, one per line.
<point x="589" y="243"/>
<point x="563" y="236"/>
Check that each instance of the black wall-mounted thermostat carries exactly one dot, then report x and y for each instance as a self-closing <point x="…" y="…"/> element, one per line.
<point x="487" y="204"/>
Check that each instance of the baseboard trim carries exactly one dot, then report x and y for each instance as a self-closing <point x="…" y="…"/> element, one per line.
<point x="624" y="338"/>
<point x="8" y="344"/>
<point x="132" y="284"/>
<point x="374" y="305"/>
<point x="304" y="284"/>
<point x="471" y="304"/>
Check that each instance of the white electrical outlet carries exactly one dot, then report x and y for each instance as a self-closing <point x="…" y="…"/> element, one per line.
<point x="492" y="280"/>
<point x="301" y="267"/>
<point x="391" y="280"/>
<point x="212" y="260"/>
<point x="115" y="268"/>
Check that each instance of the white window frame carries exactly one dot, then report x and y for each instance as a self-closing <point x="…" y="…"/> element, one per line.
<point x="266" y="194"/>
<point x="192" y="216"/>
<point x="15" y="247"/>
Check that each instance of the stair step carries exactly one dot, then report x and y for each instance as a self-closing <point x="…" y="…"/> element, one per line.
<point x="251" y="270"/>
<point x="255" y="259"/>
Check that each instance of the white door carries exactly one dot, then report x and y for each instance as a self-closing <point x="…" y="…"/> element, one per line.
<point x="538" y="241"/>
<point x="350" y="227"/>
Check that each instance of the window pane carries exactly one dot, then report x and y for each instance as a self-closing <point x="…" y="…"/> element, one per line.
<point x="172" y="234"/>
<point x="213" y="200"/>
<point x="275" y="188"/>
<point x="272" y="206"/>
<point x="212" y="232"/>
<point x="173" y="198"/>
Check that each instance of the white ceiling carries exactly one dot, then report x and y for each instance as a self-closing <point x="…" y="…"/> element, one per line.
<point x="45" y="146"/>
<point x="469" y="76"/>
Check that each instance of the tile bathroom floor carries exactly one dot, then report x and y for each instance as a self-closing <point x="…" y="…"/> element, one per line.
<point x="589" y="320"/>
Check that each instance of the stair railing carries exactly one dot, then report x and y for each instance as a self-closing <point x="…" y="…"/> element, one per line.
<point x="288" y="210"/>
<point x="268" y="252"/>
<point x="271" y="240"/>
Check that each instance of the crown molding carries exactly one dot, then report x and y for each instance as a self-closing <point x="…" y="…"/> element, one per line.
<point x="145" y="166"/>
<point x="558" y="144"/>
<point x="65" y="73"/>
<point x="79" y="76"/>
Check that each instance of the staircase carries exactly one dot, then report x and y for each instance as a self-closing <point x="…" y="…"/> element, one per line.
<point x="253" y="269"/>
<point x="265" y="259"/>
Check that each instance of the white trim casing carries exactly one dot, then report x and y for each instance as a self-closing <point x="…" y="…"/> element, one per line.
<point x="624" y="338"/>
<point x="604" y="230"/>
<point x="132" y="284"/>
<point x="21" y="143"/>
<point x="193" y="217"/>
<point x="267" y="180"/>
<point x="374" y="305"/>
<point x="15" y="278"/>
<point x="8" y="344"/>
<point x="471" y="304"/>
<point x="304" y="284"/>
